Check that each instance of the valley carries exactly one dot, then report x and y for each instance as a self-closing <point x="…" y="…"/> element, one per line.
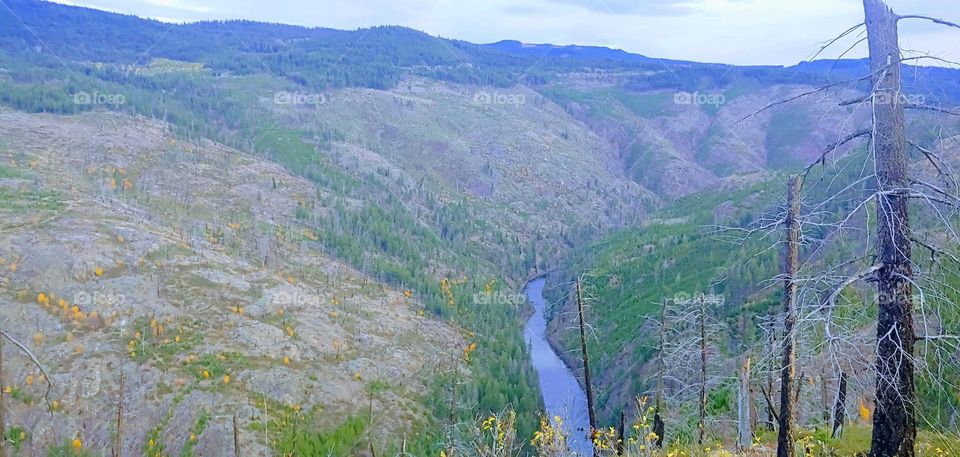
<point x="308" y="241"/>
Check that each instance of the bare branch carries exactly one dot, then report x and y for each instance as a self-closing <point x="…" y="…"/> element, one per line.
<point x="771" y="409"/>
<point x="931" y="19"/>
<point x="927" y="56"/>
<point x="936" y="109"/>
<point x="864" y="274"/>
<point x="855" y="101"/>
<point x="934" y="251"/>
<point x="823" y="157"/>
<point x="33" y="359"/>
<point x="836" y="39"/>
<point x="802" y="95"/>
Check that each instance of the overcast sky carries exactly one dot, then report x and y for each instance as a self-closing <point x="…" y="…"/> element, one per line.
<point x="729" y="31"/>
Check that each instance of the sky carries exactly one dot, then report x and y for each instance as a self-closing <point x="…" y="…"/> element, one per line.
<point x="743" y="32"/>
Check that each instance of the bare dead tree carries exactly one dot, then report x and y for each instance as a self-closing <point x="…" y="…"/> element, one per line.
<point x="36" y="362"/>
<point x="839" y="406"/>
<point x="236" y="436"/>
<point x="118" y="445"/>
<point x="770" y="345"/>
<point x="789" y="266"/>
<point x="3" y="419"/>
<point x="659" y="428"/>
<point x="702" y="424"/>
<point x="588" y="386"/>
<point x="621" y="433"/>
<point x="744" y="429"/>
<point x="687" y="354"/>
<point x="894" y="423"/>
<point x="868" y="205"/>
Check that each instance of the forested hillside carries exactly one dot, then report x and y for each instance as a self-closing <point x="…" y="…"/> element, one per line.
<point x="726" y="241"/>
<point x="295" y="233"/>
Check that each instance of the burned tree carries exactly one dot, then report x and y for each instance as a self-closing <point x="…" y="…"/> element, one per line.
<point x="659" y="428"/>
<point x="36" y="362"/>
<point x="789" y="265"/>
<point x="689" y="345"/>
<point x="894" y="423"/>
<point x="894" y="203"/>
<point x="839" y="406"/>
<point x="744" y="422"/>
<point x="587" y="385"/>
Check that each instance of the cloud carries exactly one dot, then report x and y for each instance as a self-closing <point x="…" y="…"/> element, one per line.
<point x="728" y="31"/>
<point x="634" y="7"/>
<point x="178" y="5"/>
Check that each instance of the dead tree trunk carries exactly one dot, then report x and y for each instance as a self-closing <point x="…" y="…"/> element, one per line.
<point x="771" y="414"/>
<point x="3" y="416"/>
<point x="621" y="433"/>
<point x="745" y="434"/>
<point x="659" y="428"/>
<point x="840" y="407"/>
<point x="790" y="260"/>
<point x="894" y="422"/>
<point x="702" y="424"/>
<point x="118" y="445"/>
<point x="236" y="437"/>
<point x="587" y="385"/>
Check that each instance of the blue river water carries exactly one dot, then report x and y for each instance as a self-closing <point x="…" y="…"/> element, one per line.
<point x="562" y="394"/>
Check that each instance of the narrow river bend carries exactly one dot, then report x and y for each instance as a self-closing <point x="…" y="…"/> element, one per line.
<point x="562" y="394"/>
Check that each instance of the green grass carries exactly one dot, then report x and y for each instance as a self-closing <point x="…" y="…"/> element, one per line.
<point x="855" y="441"/>
<point x="23" y="201"/>
<point x="7" y="172"/>
<point x="201" y="424"/>
<point x="215" y="367"/>
<point x="154" y="446"/>
<point x="22" y="396"/>
<point x="293" y="432"/>
<point x="16" y="436"/>
<point x="163" y="349"/>
<point x="67" y="450"/>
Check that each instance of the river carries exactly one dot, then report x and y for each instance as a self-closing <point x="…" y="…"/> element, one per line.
<point x="562" y="394"/>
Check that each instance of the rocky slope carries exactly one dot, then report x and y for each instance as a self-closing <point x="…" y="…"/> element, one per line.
<point x="675" y="142"/>
<point x="180" y="267"/>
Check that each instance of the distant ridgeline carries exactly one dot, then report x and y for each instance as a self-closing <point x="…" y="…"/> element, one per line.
<point x="378" y="57"/>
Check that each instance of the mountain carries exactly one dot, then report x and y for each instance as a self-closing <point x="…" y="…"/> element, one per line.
<point x="574" y="52"/>
<point x="321" y="215"/>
